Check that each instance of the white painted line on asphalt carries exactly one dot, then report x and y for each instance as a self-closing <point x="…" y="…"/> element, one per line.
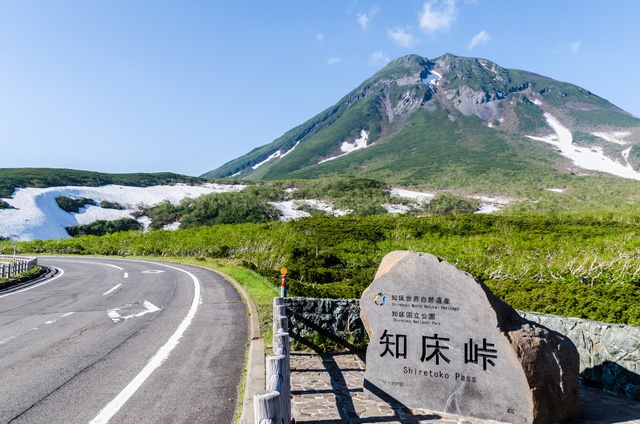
<point x="35" y="328"/>
<point x="160" y="356"/>
<point x="89" y="262"/>
<point x="37" y="285"/>
<point x="111" y="290"/>
<point x="126" y="275"/>
<point x="116" y="317"/>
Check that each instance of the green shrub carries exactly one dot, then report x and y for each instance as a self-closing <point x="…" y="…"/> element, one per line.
<point x="101" y="227"/>
<point x="70" y="205"/>
<point x="111" y="205"/>
<point x="448" y="204"/>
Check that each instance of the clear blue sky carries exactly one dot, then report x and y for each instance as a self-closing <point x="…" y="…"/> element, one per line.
<point x="185" y="86"/>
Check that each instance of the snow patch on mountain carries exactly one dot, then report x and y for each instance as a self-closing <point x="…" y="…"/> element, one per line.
<point x="289" y="209"/>
<point x="396" y="209"/>
<point x="487" y="204"/>
<point x="276" y="155"/>
<point x="432" y="79"/>
<point x="417" y="196"/>
<point x="614" y="137"/>
<point x="36" y="215"/>
<point x="348" y="147"/>
<point x="491" y="204"/>
<point x="584" y="157"/>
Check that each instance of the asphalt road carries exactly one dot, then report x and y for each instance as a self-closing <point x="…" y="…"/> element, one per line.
<point x="121" y="341"/>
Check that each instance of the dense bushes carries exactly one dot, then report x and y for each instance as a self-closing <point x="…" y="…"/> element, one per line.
<point x="68" y="204"/>
<point x="448" y="204"/>
<point x="101" y="227"/>
<point x="578" y="265"/>
<point x="250" y="205"/>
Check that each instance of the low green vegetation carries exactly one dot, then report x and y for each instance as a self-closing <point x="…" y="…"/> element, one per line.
<point x="250" y="205"/>
<point x="605" y="117"/>
<point x="111" y="205"/>
<point x="584" y="265"/>
<point x="70" y="205"/>
<point x="530" y="117"/>
<point x="448" y="204"/>
<point x="4" y="205"/>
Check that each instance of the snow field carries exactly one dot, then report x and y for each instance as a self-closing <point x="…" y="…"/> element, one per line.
<point x="586" y="157"/>
<point x="35" y="213"/>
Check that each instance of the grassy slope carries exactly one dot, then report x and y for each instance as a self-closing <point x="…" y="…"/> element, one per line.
<point x="582" y="265"/>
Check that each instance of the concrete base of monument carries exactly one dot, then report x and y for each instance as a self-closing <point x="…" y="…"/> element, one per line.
<point x="439" y="339"/>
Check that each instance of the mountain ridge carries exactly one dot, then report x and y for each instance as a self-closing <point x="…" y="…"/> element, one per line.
<point x="470" y="111"/>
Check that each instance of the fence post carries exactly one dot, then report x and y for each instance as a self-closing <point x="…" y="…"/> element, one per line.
<point x="266" y="407"/>
<point x="273" y="406"/>
<point x="281" y="346"/>
<point x="278" y="310"/>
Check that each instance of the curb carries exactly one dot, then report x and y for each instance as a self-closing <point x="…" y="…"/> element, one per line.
<point x="255" y="380"/>
<point x="22" y="280"/>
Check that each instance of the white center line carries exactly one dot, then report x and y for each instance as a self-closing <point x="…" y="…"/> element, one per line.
<point x="111" y="290"/>
<point x="35" y="328"/>
<point x="160" y="356"/>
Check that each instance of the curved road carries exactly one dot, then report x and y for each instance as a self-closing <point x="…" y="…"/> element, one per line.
<point x="121" y="341"/>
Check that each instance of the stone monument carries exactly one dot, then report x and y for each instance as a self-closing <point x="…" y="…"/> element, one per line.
<point x="440" y="340"/>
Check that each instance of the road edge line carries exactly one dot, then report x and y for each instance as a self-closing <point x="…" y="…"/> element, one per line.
<point x="255" y="379"/>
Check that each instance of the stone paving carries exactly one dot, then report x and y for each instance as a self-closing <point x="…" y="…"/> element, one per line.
<point x="327" y="389"/>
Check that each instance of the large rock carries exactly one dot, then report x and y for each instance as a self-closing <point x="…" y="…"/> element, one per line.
<point x="440" y="340"/>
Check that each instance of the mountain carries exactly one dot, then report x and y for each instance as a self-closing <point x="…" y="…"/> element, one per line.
<point x="455" y="123"/>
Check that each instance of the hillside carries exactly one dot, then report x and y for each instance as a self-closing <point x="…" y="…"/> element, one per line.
<point x="455" y="123"/>
<point x="12" y="178"/>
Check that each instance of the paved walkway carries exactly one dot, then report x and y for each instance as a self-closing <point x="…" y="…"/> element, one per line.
<point x="327" y="389"/>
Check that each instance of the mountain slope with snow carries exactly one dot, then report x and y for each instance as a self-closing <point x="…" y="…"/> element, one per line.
<point x="455" y="123"/>
<point x="34" y="213"/>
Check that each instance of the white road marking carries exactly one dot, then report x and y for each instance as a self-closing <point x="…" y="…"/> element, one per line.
<point x="126" y="275"/>
<point x="37" y="285"/>
<point x="35" y="328"/>
<point x="89" y="262"/>
<point x="152" y="271"/>
<point x="117" y="317"/>
<point x="111" y="290"/>
<point x="160" y="356"/>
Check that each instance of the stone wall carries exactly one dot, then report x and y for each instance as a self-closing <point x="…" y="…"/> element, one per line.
<point x="326" y="325"/>
<point x="609" y="353"/>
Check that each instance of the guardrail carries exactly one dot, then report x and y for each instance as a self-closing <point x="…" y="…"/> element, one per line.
<point x="16" y="265"/>
<point x="273" y="406"/>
